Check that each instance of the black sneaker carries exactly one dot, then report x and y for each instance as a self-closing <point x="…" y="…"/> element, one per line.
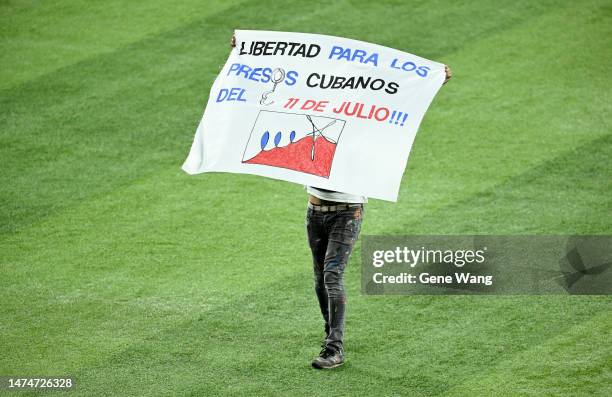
<point x="328" y="358"/>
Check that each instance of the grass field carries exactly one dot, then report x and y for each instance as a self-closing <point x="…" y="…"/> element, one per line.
<point x="122" y="271"/>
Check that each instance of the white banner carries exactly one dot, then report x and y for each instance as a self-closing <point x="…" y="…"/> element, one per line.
<point x="323" y="111"/>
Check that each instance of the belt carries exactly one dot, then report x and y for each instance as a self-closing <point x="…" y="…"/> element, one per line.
<point x="332" y="208"/>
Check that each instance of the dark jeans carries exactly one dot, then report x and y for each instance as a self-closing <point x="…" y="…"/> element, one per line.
<point x="331" y="236"/>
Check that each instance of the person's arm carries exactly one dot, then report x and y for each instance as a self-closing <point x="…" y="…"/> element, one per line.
<point x="449" y="74"/>
<point x="233" y="42"/>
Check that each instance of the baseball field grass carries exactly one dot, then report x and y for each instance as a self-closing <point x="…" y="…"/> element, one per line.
<point x="122" y="271"/>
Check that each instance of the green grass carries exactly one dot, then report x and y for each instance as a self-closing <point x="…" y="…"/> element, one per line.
<point x="120" y="270"/>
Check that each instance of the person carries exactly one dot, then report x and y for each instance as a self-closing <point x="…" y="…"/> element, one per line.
<point x="333" y="224"/>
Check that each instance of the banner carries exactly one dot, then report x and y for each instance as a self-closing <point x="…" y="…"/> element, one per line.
<point x="317" y="110"/>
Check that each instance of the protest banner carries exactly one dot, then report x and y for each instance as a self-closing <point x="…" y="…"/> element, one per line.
<point x="317" y="110"/>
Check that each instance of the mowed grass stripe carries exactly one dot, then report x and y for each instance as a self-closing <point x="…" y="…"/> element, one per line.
<point x="113" y="263"/>
<point x="38" y="38"/>
<point x="224" y="315"/>
<point x="567" y="194"/>
<point x="90" y="122"/>
<point x="164" y="305"/>
<point x="103" y="121"/>
<point x="551" y="368"/>
<point x="518" y="99"/>
<point x="432" y="344"/>
<point x="141" y="252"/>
<point x="158" y="205"/>
<point x="87" y="237"/>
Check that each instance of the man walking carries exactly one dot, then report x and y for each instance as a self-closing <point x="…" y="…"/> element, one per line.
<point x="333" y="222"/>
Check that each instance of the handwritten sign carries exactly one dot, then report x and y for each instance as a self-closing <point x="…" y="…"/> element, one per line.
<point x="323" y="111"/>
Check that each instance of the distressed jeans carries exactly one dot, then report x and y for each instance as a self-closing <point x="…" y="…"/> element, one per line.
<point x="331" y="236"/>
